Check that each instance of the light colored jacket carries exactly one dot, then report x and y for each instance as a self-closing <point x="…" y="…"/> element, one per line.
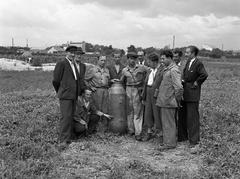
<point x="171" y="89"/>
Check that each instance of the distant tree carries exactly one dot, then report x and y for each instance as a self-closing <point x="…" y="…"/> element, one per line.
<point x="122" y="51"/>
<point x="150" y="50"/>
<point x="89" y="47"/>
<point x="166" y="47"/>
<point x="139" y="49"/>
<point x="131" y="48"/>
<point x="216" y="53"/>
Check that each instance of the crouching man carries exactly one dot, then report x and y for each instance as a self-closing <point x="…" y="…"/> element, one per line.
<point x="86" y="116"/>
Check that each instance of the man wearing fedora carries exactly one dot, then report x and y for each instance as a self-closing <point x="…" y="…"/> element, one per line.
<point x="66" y="85"/>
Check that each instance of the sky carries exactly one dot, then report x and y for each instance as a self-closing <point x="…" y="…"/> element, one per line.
<point x="121" y="23"/>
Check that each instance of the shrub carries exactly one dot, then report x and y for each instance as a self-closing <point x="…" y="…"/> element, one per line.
<point x="36" y="61"/>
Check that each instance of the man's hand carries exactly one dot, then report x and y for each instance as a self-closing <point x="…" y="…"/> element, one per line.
<point x="195" y="83"/>
<point x="115" y="80"/>
<point x="143" y="102"/>
<point x="108" y="116"/>
<point x="93" y="89"/>
<point x="84" y="123"/>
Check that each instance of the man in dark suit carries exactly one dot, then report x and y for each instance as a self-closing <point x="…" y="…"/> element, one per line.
<point x="81" y="70"/>
<point x="66" y="84"/>
<point x="194" y="75"/>
<point x="115" y="70"/>
<point x="150" y="87"/>
<point x="181" y="63"/>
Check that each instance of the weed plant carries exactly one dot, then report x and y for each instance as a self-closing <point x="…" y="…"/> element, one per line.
<point x="29" y="119"/>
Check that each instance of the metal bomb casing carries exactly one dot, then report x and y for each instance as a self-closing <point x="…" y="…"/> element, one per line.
<point x="117" y="108"/>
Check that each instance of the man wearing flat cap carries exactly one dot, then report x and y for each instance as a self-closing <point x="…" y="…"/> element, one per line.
<point x="133" y="76"/>
<point x="66" y="85"/>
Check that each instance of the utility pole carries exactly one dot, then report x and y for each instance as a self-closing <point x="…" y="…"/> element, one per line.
<point x="173" y="41"/>
<point x="12" y="42"/>
<point x="222" y="47"/>
<point x="27" y="43"/>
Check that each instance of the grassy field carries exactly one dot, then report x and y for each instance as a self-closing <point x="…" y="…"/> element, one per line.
<point x="29" y="117"/>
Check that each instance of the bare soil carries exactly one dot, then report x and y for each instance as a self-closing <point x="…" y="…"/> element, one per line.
<point x="114" y="156"/>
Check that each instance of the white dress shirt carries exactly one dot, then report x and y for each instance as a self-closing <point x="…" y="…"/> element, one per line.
<point x="191" y="63"/>
<point x="73" y="68"/>
<point x="151" y="76"/>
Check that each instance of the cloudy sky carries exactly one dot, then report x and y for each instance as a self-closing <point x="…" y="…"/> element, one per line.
<point x="121" y="23"/>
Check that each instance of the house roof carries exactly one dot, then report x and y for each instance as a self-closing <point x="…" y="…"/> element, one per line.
<point x="211" y="46"/>
<point x="27" y="54"/>
<point x="59" y="49"/>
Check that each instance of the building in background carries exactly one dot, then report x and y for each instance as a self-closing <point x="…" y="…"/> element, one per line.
<point x="56" y="49"/>
<point x="208" y="47"/>
<point x="79" y="44"/>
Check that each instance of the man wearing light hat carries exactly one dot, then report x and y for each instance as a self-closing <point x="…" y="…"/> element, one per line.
<point x="66" y="85"/>
<point x="133" y="76"/>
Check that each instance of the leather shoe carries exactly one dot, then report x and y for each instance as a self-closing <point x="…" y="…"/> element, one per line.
<point x="164" y="148"/>
<point x="192" y="145"/>
<point x="138" y="137"/>
<point x="147" y="137"/>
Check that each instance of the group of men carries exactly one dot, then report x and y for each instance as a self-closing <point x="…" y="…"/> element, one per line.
<point x="162" y="94"/>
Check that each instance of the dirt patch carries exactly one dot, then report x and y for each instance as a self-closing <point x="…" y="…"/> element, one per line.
<point x="124" y="157"/>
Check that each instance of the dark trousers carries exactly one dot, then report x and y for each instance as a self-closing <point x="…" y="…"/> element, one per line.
<point x="151" y="111"/>
<point x="67" y="109"/>
<point x="93" y="121"/>
<point x="188" y="122"/>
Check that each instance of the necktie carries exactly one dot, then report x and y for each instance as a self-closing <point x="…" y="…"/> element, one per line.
<point x="76" y="70"/>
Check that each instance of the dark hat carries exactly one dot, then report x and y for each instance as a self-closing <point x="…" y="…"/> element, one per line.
<point x="79" y="51"/>
<point x="132" y="54"/>
<point x="71" y="48"/>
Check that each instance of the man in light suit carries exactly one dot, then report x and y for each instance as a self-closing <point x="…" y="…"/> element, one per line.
<point x="170" y="93"/>
<point x="66" y="84"/>
<point x="194" y="75"/>
<point x="151" y="84"/>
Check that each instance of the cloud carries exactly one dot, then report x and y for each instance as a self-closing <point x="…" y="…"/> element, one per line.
<point x="120" y="23"/>
<point x="117" y="4"/>
<point x="186" y="8"/>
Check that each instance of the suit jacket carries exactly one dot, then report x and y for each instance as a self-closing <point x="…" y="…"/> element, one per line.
<point x="81" y="84"/>
<point x="156" y="82"/>
<point x="113" y="71"/>
<point x="82" y="112"/>
<point x="64" y="81"/>
<point x="196" y="73"/>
